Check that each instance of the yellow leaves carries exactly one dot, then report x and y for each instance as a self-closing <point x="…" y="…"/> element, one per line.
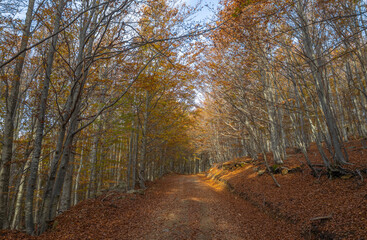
<point x="287" y="101"/>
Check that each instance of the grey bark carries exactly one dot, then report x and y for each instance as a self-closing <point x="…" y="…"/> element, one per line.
<point x="11" y="109"/>
<point x="72" y="110"/>
<point x="93" y="174"/>
<point x="135" y="156"/>
<point x="269" y="92"/>
<point x="65" y="201"/>
<point x="144" y="141"/>
<point x="64" y="164"/>
<point x="77" y="178"/>
<point x="130" y="160"/>
<point x="315" y="62"/>
<point x="19" y="197"/>
<point x="41" y="119"/>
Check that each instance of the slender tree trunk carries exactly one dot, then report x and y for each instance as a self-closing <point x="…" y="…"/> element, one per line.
<point x="77" y="178"/>
<point x="59" y="181"/>
<point x="130" y="163"/>
<point x="11" y="109"/>
<point x="315" y="63"/>
<point x="41" y="122"/>
<point x="135" y="156"/>
<point x="273" y="123"/>
<point x="93" y="174"/>
<point x="340" y="108"/>
<point x="39" y="182"/>
<point x="144" y="141"/>
<point x="19" y="198"/>
<point x="65" y="201"/>
<point x="72" y="111"/>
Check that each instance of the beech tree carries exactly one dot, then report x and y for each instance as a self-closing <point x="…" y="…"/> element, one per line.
<point x="99" y="95"/>
<point x="11" y="103"/>
<point x="86" y="89"/>
<point x="279" y="71"/>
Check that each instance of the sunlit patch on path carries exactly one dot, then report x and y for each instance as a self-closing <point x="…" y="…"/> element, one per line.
<point x="193" y="207"/>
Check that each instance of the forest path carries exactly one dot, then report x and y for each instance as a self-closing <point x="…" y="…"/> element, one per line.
<point x="175" y="207"/>
<point x="194" y="207"/>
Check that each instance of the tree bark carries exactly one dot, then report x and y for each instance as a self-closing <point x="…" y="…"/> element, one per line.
<point x="65" y="201"/>
<point x="93" y="174"/>
<point x="144" y="141"/>
<point x="315" y="62"/>
<point x="12" y="101"/>
<point x="77" y="178"/>
<point x="41" y="122"/>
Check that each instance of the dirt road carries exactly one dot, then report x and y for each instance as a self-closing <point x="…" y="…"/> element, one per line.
<point x="193" y="207"/>
<point x="175" y="207"/>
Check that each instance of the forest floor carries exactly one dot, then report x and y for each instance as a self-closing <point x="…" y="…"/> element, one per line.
<point x="236" y="200"/>
<point x="321" y="207"/>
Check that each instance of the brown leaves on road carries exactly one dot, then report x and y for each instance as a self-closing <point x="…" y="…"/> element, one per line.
<point x="175" y="207"/>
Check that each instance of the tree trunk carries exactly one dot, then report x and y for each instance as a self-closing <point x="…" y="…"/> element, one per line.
<point x="93" y="174"/>
<point x="272" y="115"/>
<point x="11" y="109"/>
<point x="77" y="178"/>
<point x="135" y="156"/>
<point x="65" y="201"/>
<point x="144" y="141"/>
<point x="315" y="62"/>
<point x="130" y="159"/>
<point x="41" y="121"/>
<point x="19" y="198"/>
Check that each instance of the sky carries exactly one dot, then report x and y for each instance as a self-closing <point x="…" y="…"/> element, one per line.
<point x="208" y="6"/>
<point x="205" y="15"/>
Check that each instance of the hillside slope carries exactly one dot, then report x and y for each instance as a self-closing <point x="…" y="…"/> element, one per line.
<point x="319" y="207"/>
